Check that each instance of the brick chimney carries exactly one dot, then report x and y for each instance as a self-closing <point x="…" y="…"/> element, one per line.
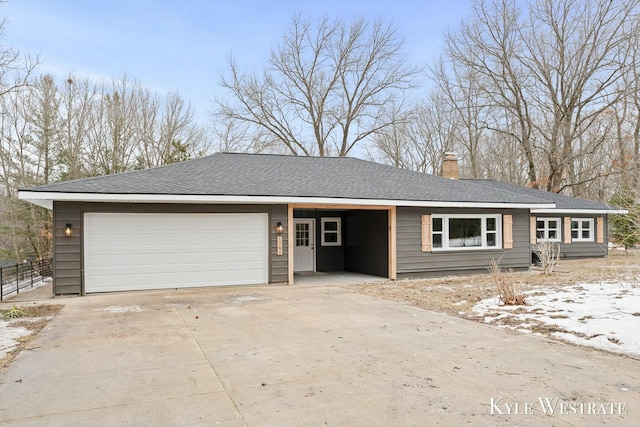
<point x="450" y="166"/>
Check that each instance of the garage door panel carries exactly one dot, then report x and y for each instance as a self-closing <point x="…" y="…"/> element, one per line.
<point x="121" y="260"/>
<point x="148" y="278"/>
<point x="169" y="257"/>
<point x="154" y="251"/>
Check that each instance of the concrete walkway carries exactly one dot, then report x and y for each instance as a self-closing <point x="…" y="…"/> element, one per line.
<point x="295" y="356"/>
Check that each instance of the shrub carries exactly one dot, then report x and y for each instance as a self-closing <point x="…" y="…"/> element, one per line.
<point x="14" y="312"/>
<point x="509" y="293"/>
<point x="548" y="253"/>
<point x="625" y="229"/>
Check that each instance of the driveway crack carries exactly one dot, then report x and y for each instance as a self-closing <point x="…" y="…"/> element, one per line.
<point x="235" y="404"/>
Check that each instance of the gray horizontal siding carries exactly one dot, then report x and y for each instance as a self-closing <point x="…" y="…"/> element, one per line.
<point x="68" y="258"/>
<point x="279" y="269"/>
<point x="583" y="249"/>
<point x="67" y="251"/>
<point x="412" y="261"/>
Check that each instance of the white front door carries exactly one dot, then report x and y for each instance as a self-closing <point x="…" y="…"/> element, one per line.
<point x="303" y="252"/>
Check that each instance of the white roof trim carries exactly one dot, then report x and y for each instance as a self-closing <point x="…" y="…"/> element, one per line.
<point x="46" y="200"/>
<point x="580" y="211"/>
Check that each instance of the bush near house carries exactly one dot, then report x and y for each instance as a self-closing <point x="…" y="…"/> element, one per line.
<point x="625" y="229"/>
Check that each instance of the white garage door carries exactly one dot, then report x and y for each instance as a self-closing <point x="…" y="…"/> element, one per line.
<point x="131" y="251"/>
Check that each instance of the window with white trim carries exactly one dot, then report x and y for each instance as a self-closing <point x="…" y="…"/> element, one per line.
<point x="437" y="232"/>
<point x="582" y="229"/>
<point x="548" y="229"/>
<point x="330" y="231"/>
<point x="463" y="232"/>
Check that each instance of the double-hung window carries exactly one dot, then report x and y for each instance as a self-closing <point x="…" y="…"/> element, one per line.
<point x="461" y="232"/>
<point x="331" y="233"/>
<point x="582" y="229"/>
<point x="548" y="229"/>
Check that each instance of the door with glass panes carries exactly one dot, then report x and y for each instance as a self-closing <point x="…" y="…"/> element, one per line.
<point x="304" y="245"/>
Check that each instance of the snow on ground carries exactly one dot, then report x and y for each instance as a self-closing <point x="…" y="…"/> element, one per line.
<point x="9" y="336"/>
<point x="601" y="315"/>
<point x="122" y="309"/>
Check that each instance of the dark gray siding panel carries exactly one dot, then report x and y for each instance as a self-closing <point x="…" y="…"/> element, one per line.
<point x="328" y="258"/>
<point x="411" y="259"/>
<point x="279" y="265"/>
<point x="366" y="242"/>
<point x="68" y="259"/>
<point x="67" y="251"/>
<point x="583" y="249"/>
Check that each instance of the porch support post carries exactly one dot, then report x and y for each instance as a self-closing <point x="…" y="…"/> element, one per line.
<point x="290" y="242"/>
<point x="392" y="243"/>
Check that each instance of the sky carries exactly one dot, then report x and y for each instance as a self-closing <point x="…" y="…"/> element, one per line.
<point x="184" y="46"/>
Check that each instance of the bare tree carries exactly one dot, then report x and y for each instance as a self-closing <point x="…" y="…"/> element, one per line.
<point x="418" y="138"/>
<point x="15" y="68"/>
<point x="325" y="88"/>
<point x="393" y="144"/>
<point x="166" y="130"/>
<point x="43" y="115"/>
<point x="554" y="70"/>
<point x="626" y="115"/>
<point x="239" y="137"/>
<point x="487" y="47"/>
<point x="16" y="162"/>
<point x="578" y="75"/>
<point x="78" y="100"/>
<point x="460" y="91"/>
<point x="22" y="164"/>
<point x="113" y="136"/>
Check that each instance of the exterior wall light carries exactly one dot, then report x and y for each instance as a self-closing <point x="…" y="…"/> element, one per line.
<point x="68" y="230"/>
<point x="279" y="228"/>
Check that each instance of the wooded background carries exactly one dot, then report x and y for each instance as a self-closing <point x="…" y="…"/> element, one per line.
<point x="541" y="93"/>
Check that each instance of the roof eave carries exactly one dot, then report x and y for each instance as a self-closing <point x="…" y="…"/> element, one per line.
<point x="46" y="199"/>
<point x="580" y="211"/>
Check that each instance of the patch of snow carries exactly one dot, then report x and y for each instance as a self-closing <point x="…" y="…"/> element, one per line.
<point x="9" y="336"/>
<point x="122" y="309"/>
<point x="176" y="305"/>
<point x="601" y="315"/>
<point x="240" y="299"/>
<point x="464" y="301"/>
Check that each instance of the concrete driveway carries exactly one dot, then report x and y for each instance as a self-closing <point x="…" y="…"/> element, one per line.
<point x="301" y="355"/>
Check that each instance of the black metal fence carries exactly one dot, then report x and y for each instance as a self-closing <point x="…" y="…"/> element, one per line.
<point x="15" y="277"/>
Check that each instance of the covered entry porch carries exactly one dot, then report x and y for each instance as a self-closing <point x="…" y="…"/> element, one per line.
<point x="341" y="239"/>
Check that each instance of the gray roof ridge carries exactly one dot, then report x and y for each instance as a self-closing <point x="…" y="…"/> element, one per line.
<point x="284" y="155"/>
<point x="530" y="189"/>
<point x="470" y="180"/>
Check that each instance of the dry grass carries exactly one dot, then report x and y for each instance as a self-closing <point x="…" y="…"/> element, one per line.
<point x="35" y="319"/>
<point x="458" y="294"/>
<point x="37" y="310"/>
<point x="509" y="292"/>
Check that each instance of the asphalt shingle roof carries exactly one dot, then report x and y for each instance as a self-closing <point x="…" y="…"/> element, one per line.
<point x="232" y="174"/>
<point x="561" y="201"/>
